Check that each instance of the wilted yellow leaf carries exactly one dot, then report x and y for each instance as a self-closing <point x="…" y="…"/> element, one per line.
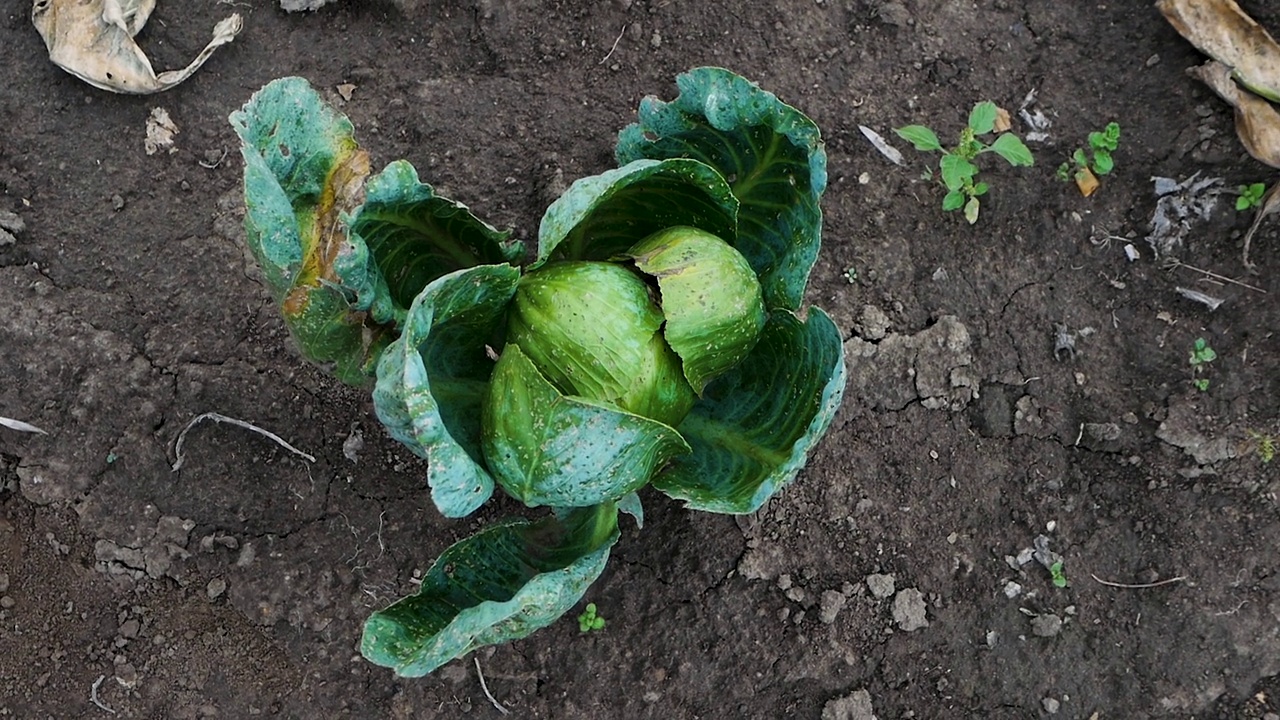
<point x="1086" y="181"/>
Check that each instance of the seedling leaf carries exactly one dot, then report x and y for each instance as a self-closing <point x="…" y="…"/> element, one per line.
<point x="1102" y="162"/>
<point x="971" y="210"/>
<point x="956" y="171"/>
<point x="922" y="137"/>
<point x="982" y="119"/>
<point x="953" y="200"/>
<point x="1013" y="150"/>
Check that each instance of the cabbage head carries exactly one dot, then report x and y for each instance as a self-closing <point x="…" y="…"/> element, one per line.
<point x="654" y="337"/>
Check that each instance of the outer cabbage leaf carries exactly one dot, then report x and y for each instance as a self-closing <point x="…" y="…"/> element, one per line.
<point x="415" y="236"/>
<point x="771" y="155"/>
<point x="755" y="425"/>
<point x="501" y="584"/>
<point x="601" y="216"/>
<point x="303" y="170"/>
<point x="550" y="449"/>
<point x="433" y="380"/>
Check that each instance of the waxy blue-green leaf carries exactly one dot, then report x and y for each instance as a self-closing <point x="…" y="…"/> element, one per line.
<point x="501" y="584"/>
<point x="710" y="297"/>
<point x="770" y="153"/>
<point x="546" y="448"/>
<point x="600" y="216"/>
<point x="303" y="170"/>
<point x="433" y="380"/>
<point x="755" y="425"/>
<point x="593" y="331"/>
<point x="414" y="236"/>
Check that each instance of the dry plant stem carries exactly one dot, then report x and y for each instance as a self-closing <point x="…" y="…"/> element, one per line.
<point x="615" y="46"/>
<point x="93" y="694"/>
<point x="485" y="687"/>
<point x="1269" y="204"/>
<point x="1223" y="278"/>
<point x="1139" y="586"/>
<point x="217" y="417"/>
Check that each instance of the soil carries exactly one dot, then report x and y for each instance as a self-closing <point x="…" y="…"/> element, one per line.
<point x="895" y="577"/>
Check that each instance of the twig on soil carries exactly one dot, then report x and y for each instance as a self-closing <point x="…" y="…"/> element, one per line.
<point x="93" y="694"/>
<point x="485" y="686"/>
<point x="217" y="417"/>
<point x="1178" y="263"/>
<point x="1139" y="586"/>
<point x="615" y="46"/>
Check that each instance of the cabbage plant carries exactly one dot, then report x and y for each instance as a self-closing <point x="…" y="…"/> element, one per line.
<point x="655" y="336"/>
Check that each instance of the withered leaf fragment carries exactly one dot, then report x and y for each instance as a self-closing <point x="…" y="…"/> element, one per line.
<point x="1270" y="204"/>
<point x="93" y="40"/>
<point x="1257" y="122"/>
<point x="1224" y="32"/>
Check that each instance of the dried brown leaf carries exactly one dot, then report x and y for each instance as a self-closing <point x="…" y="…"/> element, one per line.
<point x="93" y="40"/>
<point x="1221" y="30"/>
<point x="1270" y="204"/>
<point x="1003" y="122"/>
<point x="1257" y="122"/>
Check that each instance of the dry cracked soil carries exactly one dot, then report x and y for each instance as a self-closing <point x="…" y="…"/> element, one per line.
<point x="1019" y="394"/>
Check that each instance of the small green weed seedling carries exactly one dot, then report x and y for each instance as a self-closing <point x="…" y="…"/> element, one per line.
<point x="1201" y="356"/>
<point x="1250" y="196"/>
<point x="589" y="620"/>
<point x="1087" y="165"/>
<point x="1264" y="444"/>
<point x="956" y="168"/>
<point x="1059" y="577"/>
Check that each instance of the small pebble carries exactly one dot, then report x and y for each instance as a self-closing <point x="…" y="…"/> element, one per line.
<point x="129" y="629"/>
<point x="215" y="588"/>
<point x="6" y="602"/>
<point x="881" y="586"/>
<point x="4" y="582"/>
<point x="10" y="221"/>
<point x="1046" y="625"/>
<point x="1050" y="705"/>
<point x="909" y="610"/>
<point x="830" y="605"/>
